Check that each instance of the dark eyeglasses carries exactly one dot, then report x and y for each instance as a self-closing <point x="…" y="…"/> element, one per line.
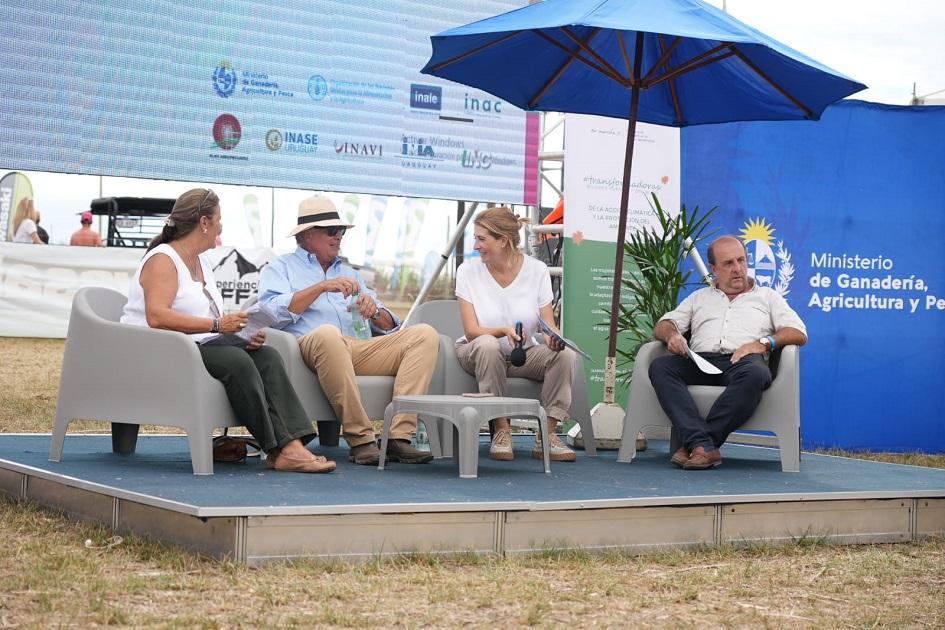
<point x="334" y="230"/>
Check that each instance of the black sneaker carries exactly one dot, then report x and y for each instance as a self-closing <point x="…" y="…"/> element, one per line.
<point x="401" y="451"/>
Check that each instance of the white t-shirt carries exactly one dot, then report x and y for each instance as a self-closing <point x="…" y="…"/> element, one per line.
<point x="497" y="306"/>
<point x="24" y="233"/>
<point x="190" y="299"/>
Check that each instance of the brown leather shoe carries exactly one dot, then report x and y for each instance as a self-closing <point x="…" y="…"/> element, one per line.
<point x="701" y="460"/>
<point x="401" y="451"/>
<point x="680" y="457"/>
<point x="312" y="464"/>
<point x="365" y="454"/>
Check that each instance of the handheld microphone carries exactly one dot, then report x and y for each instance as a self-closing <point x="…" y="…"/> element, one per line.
<point x="517" y="356"/>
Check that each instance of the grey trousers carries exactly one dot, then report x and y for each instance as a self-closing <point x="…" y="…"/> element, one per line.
<point x="483" y="358"/>
<point x="260" y="393"/>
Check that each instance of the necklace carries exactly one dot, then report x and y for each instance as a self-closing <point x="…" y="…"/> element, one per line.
<point x="191" y="266"/>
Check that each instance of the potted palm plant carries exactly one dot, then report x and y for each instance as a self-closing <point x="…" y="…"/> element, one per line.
<point x="653" y="276"/>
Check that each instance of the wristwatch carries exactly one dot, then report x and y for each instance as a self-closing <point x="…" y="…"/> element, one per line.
<point x="377" y="313"/>
<point x="768" y="342"/>
<point x="215" y="326"/>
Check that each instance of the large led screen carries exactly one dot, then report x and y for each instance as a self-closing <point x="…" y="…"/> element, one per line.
<point x="312" y="94"/>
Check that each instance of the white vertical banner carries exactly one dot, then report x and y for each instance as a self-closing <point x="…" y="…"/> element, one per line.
<point x="593" y="175"/>
<point x="595" y="148"/>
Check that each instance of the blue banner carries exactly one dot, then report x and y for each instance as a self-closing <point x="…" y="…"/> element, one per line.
<point x="844" y="217"/>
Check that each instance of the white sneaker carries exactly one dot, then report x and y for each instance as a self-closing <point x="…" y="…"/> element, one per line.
<point x="501" y="447"/>
<point x="557" y="450"/>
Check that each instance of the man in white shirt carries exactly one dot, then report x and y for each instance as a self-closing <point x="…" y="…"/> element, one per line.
<point x="733" y="324"/>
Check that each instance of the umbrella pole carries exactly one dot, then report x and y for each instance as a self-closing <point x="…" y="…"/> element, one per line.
<point x="610" y="367"/>
<point x="607" y="417"/>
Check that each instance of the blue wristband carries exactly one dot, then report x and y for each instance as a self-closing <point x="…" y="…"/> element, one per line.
<point x="773" y="342"/>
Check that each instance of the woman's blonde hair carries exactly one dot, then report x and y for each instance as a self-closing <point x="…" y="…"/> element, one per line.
<point x="24" y="210"/>
<point x="501" y="221"/>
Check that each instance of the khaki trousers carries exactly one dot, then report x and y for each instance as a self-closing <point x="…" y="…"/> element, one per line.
<point x="409" y="355"/>
<point x="483" y="358"/>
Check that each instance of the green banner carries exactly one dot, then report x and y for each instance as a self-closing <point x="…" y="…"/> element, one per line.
<point x="588" y="285"/>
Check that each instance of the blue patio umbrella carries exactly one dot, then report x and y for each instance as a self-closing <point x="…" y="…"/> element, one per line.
<point x="667" y="62"/>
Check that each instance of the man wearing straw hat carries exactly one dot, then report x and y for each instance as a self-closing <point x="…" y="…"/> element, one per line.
<point x="309" y="291"/>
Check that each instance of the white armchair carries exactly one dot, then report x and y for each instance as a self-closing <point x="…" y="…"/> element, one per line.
<point x="779" y="411"/>
<point x="133" y="375"/>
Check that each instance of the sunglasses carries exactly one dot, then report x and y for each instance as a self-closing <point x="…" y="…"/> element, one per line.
<point x="334" y="230"/>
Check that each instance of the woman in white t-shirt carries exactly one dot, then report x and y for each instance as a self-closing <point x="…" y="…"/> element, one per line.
<point x="174" y="289"/>
<point x="501" y="288"/>
<point x="25" y="221"/>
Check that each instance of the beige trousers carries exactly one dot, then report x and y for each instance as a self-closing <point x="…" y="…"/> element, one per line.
<point x="483" y="358"/>
<point x="409" y="355"/>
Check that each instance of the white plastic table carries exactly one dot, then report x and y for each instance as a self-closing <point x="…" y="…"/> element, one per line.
<point x="466" y="414"/>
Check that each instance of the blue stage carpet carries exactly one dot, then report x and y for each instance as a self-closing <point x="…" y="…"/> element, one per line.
<point x="161" y="468"/>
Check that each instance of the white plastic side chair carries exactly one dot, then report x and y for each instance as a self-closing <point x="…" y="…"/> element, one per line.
<point x="779" y="411"/>
<point x="444" y="316"/>
<point x="133" y="375"/>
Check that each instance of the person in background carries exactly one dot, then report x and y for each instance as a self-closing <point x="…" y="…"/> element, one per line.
<point x="311" y="291"/>
<point x="41" y="232"/>
<point x="25" y="222"/>
<point x="502" y="287"/>
<point x="86" y="236"/>
<point x="174" y="289"/>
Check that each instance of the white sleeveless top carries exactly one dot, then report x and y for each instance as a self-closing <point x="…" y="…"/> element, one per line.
<point x="190" y="299"/>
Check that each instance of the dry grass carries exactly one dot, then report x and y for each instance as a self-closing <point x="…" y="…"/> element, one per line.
<point x="910" y="459"/>
<point x="29" y="383"/>
<point x="54" y="572"/>
<point x="29" y="387"/>
<point x="50" y="576"/>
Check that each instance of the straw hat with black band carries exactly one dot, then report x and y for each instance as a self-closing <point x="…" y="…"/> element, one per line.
<point x="318" y="211"/>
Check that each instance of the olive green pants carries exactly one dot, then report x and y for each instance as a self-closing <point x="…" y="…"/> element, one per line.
<point x="260" y="393"/>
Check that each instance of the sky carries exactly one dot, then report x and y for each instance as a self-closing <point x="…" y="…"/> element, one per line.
<point x="888" y="45"/>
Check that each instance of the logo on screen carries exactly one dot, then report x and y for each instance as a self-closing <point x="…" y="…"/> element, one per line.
<point x="224" y="79"/>
<point x="429" y="97"/>
<point x="317" y="87"/>
<point x="227" y="131"/>
<point x="476" y="159"/>
<point x="297" y="142"/>
<point x="359" y="149"/>
<point x="273" y="139"/>
<point x="488" y="106"/>
<point x="769" y="267"/>
<point x="418" y="152"/>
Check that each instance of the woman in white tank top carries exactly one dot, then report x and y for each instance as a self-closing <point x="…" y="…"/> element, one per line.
<point x="174" y="289"/>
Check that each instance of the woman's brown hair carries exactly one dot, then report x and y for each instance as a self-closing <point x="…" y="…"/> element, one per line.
<point x="185" y="215"/>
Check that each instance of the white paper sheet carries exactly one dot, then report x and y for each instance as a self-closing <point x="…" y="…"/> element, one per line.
<point x="703" y="365"/>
